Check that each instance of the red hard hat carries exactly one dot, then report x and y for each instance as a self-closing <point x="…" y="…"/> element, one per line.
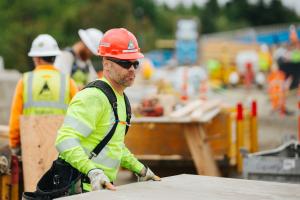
<point x="119" y="43"/>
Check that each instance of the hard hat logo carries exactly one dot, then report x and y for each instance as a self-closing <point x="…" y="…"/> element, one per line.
<point x="41" y="44"/>
<point x="105" y="44"/>
<point x="131" y="45"/>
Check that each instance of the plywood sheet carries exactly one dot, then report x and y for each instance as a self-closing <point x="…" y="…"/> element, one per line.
<point x="38" y="135"/>
<point x="165" y="136"/>
<point x="195" y="187"/>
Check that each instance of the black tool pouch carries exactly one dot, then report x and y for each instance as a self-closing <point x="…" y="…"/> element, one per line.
<point x="60" y="180"/>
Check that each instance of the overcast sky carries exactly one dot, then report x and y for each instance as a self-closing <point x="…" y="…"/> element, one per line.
<point x="294" y="4"/>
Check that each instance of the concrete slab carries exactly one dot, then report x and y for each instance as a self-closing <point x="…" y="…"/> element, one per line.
<point x="194" y="187"/>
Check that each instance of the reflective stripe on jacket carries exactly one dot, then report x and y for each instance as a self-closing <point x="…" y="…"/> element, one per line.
<point x="89" y="118"/>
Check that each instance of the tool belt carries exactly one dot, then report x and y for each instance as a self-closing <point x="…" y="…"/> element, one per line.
<point x="60" y="180"/>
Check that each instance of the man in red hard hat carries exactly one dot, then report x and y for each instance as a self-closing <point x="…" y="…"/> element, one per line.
<point x="91" y="117"/>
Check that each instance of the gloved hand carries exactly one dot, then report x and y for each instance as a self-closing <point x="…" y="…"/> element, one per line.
<point x="99" y="180"/>
<point x="16" y="151"/>
<point x="146" y="175"/>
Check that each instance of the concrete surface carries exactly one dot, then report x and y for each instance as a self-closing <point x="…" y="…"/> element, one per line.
<point x="194" y="187"/>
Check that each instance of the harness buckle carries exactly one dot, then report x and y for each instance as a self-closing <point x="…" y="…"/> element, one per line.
<point x="115" y="105"/>
<point x="92" y="155"/>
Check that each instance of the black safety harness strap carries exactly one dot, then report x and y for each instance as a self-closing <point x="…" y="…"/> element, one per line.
<point x="109" y="93"/>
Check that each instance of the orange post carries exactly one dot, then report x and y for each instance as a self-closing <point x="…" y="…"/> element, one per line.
<point x="239" y="136"/>
<point x="184" y="86"/>
<point x="203" y="88"/>
<point x="253" y="128"/>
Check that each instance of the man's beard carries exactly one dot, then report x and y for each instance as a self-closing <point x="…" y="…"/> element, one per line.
<point x="125" y="82"/>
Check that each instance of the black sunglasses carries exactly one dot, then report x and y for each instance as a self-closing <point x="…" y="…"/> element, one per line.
<point x="126" y="64"/>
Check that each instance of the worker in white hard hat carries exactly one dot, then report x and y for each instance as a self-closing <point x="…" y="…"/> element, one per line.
<point x="76" y="60"/>
<point x="44" y="90"/>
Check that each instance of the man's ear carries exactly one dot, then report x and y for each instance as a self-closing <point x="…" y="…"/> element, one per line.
<point x="36" y="61"/>
<point x="106" y="64"/>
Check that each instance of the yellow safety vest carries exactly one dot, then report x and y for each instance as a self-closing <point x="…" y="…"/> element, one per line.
<point x="45" y="92"/>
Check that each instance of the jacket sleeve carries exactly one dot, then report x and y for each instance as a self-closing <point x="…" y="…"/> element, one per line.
<point x="80" y="121"/>
<point x="16" y="112"/>
<point x="130" y="162"/>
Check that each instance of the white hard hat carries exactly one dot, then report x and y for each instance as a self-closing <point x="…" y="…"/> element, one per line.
<point x="91" y="38"/>
<point x="234" y="78"/>
<point x="44" y="45"/>
<point x="260" y="78"/>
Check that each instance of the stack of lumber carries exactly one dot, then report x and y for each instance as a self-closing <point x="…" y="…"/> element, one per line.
<point x="198" y="110"/>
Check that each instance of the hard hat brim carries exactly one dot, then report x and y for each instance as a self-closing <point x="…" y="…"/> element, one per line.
<point x="44" y="54"/>
<point x="128" y="56"/>
<point x="86" y="40"/>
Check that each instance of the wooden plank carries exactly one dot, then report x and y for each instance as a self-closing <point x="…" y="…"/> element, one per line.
<point x="5" y="181"/>
<point x="201" y="110"/>
<point x="207" y="116"/>
<point x="218" y="134"/>
<point x="187" y="109"/>
<point x="200" y="150"/>
<point x="38" y="135"/>
<point x="193" y="187"/>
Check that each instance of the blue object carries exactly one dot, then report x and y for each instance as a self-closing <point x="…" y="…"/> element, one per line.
<point x="271" y="38"/>
<point x="186" y="51"/>
<point x="160" y="58"/>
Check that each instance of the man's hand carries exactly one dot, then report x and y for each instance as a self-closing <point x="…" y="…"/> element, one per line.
<point x="146" y="175"/>
<point x="99" y="180"/>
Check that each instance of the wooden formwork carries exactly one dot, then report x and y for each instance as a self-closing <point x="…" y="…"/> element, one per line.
<point x="169" y="141"/>
<point x="165" y="140"/>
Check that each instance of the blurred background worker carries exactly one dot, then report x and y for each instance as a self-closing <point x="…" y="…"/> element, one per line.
<point x="278" y="87"/>
<point x="76" y="60"/>
<point x="264" y="58"/>
<point x="42" y="91"/>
